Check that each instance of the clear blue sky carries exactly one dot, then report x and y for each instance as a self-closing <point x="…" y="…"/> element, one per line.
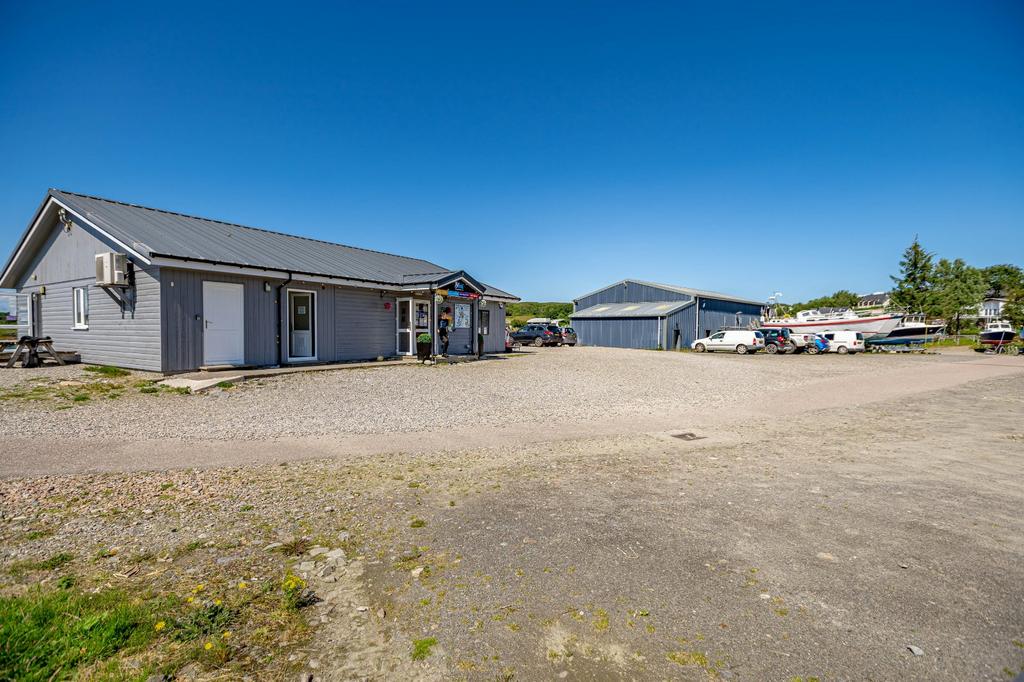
<point x="547" y="148"/>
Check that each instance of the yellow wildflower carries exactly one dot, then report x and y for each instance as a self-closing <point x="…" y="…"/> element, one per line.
<point x="227" y="635"/>
<point x="216" y="602"/>
<point x="242" y="585"/>
<point x="190" y="600"/>
<point x="208" y="646"/>
<point x="199" y="588"/>
<point x="160" y="626"/>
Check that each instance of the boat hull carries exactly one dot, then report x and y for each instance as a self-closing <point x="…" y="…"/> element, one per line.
<point x="997" y="338"/>
<point x="871" y="327"/>
<point x="901" y="336"/>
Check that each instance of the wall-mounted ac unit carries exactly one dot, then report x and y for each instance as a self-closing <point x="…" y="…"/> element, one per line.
<point x="111" y="269"/>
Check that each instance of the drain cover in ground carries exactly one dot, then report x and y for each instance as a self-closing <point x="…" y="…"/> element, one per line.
<point x="687" y="436"/>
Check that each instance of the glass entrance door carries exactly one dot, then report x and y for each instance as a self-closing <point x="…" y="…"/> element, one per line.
<point x="412" y="318"/>
<point x="406" y="342"/>
<point x="301" y="325"/>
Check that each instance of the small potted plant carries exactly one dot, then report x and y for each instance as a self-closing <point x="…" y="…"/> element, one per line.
<point x="423" y="346"/>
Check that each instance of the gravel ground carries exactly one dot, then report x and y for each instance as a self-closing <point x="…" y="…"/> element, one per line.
<point x="549" y="386"/>
<point x="820" y="545"/>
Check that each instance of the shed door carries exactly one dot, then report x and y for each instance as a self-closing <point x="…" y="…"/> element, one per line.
<point x="223" y="324"/>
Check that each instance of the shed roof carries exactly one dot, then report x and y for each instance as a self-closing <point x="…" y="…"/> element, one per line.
<point x="160" y="233"/>
<point x="703" y="293"/>
<point x="610" y="310"/>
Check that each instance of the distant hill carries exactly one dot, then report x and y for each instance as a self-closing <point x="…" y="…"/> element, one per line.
<point x="519" y="313"/>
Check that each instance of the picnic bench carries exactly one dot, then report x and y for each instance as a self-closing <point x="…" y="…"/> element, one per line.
<point x="30" y="349"/>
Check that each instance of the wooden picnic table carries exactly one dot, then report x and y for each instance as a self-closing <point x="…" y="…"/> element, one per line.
<point x="31" y="347"/>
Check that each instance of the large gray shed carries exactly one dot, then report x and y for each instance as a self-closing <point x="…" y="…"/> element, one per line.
<point x="156" y="290"/>
<point x="636" y="314"/>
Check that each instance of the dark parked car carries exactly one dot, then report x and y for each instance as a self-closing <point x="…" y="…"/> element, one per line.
<point x="777" y="340"/>
<point x="538" y="335"/>
<point x="569" y="336"/>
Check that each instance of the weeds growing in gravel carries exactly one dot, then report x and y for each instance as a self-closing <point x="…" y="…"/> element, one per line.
<point x="107" y="370"/>
<point x="56" y="561"/>
<point x="297" y="546"/>
<point x="421" y="648"/>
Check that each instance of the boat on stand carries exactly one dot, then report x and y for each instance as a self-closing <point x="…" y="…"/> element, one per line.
<point x="911" y="330"/>
<point x="997" y="333"/>
<point x="838" y="319"/>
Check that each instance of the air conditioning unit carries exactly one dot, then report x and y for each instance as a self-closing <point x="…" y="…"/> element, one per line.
<point x="111" y="269"/>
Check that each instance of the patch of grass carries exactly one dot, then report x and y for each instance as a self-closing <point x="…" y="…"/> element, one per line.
<point x="297" y="546"/>
<point x="52" y="634"/>
<point x="421" y="648"/>
<point x="417" y="523"/>
<point x="207" y="619"/>
<point x="225" y="384"/>
<point x="56" y="561"/>
<point x="149" y="389"/>
<point x="80" y="397"/>
<point x="167" y="485"/>
<point x="689" y="658"/>
<point x="38" y="534"/>
<point x="107" y="371"/>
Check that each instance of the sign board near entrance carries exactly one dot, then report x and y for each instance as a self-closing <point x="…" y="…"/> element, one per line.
<point x="462" y="316"/>
<point x="452" y="293"/>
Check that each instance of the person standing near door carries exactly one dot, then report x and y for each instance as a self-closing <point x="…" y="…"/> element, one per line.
<point x="444" y="325"/>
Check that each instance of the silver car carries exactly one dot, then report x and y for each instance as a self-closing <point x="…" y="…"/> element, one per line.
<point x="568" y="336"/>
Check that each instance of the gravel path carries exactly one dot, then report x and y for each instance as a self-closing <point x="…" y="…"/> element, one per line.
<point x="549" y="386"/>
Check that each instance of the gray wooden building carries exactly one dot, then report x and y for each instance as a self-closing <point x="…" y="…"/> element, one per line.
<point x="636" y="314"/>
<point x="155" y="290"/>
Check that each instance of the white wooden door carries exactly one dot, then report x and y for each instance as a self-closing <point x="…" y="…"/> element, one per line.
<point x="223" y="324"/>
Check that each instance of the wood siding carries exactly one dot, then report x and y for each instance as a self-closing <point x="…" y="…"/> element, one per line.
<point x="494" y="340"/>
<point x="351" y="324"/>
<point x="363" y="327"/>
<point x="182" y="315"/>
<point x="124" y="324"/>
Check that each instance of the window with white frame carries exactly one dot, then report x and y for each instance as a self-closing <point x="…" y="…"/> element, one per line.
<point x="80" y="306"/>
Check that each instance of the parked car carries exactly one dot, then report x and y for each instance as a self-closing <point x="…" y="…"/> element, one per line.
<point x="742" y="342"/>
<point x="844" y="342"/>
<point x="569" y="336"/>
<point x="537" y="335"/>
<point x="817" y="344"/>
<point x="557" y="331"/>
<point x="777" y="340"/>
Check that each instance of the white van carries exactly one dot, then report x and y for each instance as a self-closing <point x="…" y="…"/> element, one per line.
<point x="845" y="342"/>
<point x="741" y="342"/>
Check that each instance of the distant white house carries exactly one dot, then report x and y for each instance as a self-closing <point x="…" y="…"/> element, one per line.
<point x="874" y="303"/>
<point x="991" y="309"/>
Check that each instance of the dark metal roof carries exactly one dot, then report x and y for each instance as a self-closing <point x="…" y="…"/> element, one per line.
<point x="610" y="310"/>
<point x="683" y="290"/>
<point x="159" y="233"/>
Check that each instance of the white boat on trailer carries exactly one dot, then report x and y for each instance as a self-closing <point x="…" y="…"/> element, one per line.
<point x="912" y="330"/>
<point x="837" y="319"/>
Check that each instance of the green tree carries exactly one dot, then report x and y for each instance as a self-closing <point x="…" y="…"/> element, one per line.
<point x="1013" y="311"/>
<point x="913" y="286"/>
<point x="840" y="299"/>
<point x="1003" y="279"/>
<point x="958" y="291"/>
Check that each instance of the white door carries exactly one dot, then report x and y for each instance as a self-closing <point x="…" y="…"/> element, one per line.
<point x="717" y="340"/>
<point x="223" y="324"/>
<point x="301" y="325"/>
<point x="405" y="328"/>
